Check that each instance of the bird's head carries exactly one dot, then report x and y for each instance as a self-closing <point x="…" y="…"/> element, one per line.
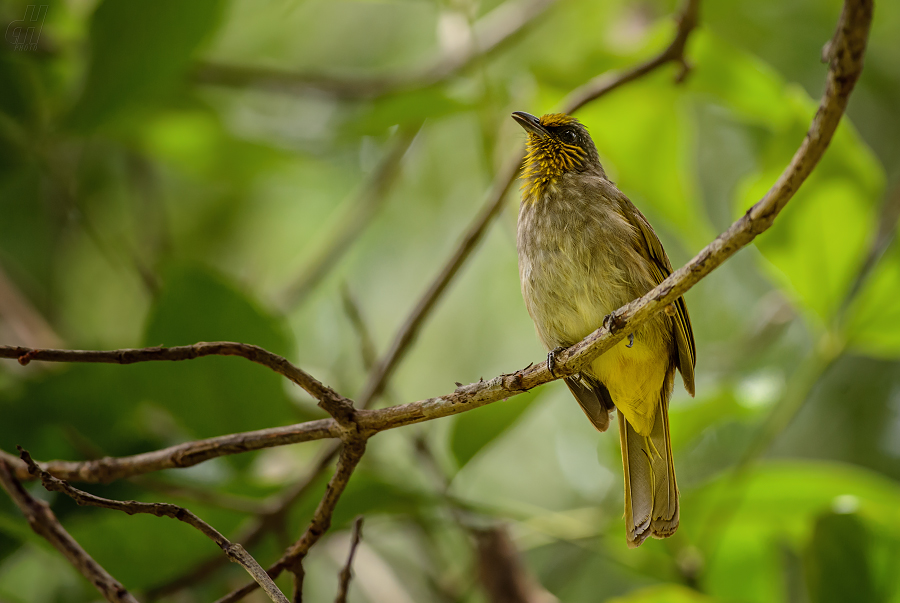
<point x="557" y="144"/>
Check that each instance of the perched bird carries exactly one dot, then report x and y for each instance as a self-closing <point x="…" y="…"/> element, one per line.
<point x="584" y="251"/>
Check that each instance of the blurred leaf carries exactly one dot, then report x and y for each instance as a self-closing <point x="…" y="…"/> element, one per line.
<point x="777" y="504"/>
<point x="367" y="493"/>
<point x="143" y="550"/>
<point x="837" y="561"/>
<point x="406" y="108"/>
<point x="664" y="593"/>
<point x="474" y="430"/>
<point x="646" y="129"/>
<point x="81" y="403"/>
<point x="819" y="240"/>
<point x="873" y="325"/>
<point x="139" y="50"/>
<point x="215" y="395"/>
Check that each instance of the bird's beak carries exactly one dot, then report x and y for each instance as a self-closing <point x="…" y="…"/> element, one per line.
<point x="531" y="123"/>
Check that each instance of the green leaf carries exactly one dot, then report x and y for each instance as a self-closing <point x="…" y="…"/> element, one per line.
<point x="474" y="430"/>
<point x="818" y="242"/>
<point x="837" y="561"/>
<point x="405" y="108"/>
<point x="643" y="133"/>
<point x="143" y="550"/>
<point x="775" y="505"/>
<point x="367" y="493"/>
<point x="139" y="51"/>
<point x="873" y="323"/>
<point x="664" y="593"/>
<point x="216" y="395"/>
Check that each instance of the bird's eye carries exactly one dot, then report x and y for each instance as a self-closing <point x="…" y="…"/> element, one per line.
<point x="568" y="136"/>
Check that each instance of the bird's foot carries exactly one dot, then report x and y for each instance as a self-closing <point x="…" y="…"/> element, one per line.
<point x="630" y="340"/>
<point x="551" y="359"/>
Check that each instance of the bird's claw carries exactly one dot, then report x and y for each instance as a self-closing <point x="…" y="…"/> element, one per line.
<point x="630" y="340"/>
<point x="551" y="360"/>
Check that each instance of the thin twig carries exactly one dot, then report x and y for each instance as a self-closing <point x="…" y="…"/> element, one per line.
<point x="336" y="405"/>
<point x="292" y="559"/>
<point x="234" y="552"/>
<point x="188" y="454"/>
<point x="270" y="520"/>
<point x="593" y="90"/>
<point x="490" y="33"/>
<point x="346" y="573"/>
<point x="364" y="208"/>
<point x="44" y="522"/>
<point x="881" y="240"/>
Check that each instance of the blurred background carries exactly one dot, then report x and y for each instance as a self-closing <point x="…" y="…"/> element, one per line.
<point x="294" y="173"/>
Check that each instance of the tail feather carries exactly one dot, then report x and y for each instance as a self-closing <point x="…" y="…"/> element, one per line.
<point x="651" y="494"/>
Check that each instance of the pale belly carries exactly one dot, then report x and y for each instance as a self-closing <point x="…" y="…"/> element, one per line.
<point x="568" y="302"/>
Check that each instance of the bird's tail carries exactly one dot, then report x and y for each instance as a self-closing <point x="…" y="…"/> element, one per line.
<point x="651" y="495"/>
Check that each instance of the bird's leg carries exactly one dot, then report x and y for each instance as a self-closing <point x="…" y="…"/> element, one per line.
<point x="551" y="359"/>
<point x="630" y="340"/>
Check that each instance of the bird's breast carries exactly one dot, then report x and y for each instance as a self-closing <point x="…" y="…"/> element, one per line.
<point x="570" y="265"/>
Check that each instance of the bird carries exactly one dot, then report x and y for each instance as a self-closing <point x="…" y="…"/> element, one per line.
<point x="584" y="251"/>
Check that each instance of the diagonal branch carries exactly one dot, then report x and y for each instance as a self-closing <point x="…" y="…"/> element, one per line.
<point x="44" y="522"/>
<point x="270" y="520"/>
<point x="234" y="552"/>
<point x="370" y="199"/>
<point x="292" y="559"/>
<point x="406" y="335"/>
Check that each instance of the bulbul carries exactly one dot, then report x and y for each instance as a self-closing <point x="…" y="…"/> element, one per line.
<point x="584" y="251"/>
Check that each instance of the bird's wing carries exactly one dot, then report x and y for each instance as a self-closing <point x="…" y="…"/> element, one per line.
<point x="594" y="399"/>
<point x="662" y="268"/>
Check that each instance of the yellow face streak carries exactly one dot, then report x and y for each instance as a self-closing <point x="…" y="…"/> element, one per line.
<point x="547" y="159"/>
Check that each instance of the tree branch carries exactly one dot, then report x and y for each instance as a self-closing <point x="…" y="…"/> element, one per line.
<point x="346" y="572"/>
<point x="234" y="552"/>
<point x="336" y="405"/>
<point x="490" y="33"/>
<point x="292" y="559"/>
<point x="270" y="520"/>
<point x="188" y="454"/>
<point x="365" y="207"/>
<point x="44" y="522"/>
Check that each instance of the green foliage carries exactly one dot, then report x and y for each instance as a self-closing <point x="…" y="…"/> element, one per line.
<point x="838" y="567"/>
<point x="139" y="51"/>
<point x="140" y="206"/>
<point x="471" y="432"/>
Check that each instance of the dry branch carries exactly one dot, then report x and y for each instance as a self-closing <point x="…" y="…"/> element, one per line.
<point x="44" y="522"/>
<point x="336" y="405"/>
<point x="347" y="572"/>
<point x="234" y="552"/>
<point x="292" y="559"/>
